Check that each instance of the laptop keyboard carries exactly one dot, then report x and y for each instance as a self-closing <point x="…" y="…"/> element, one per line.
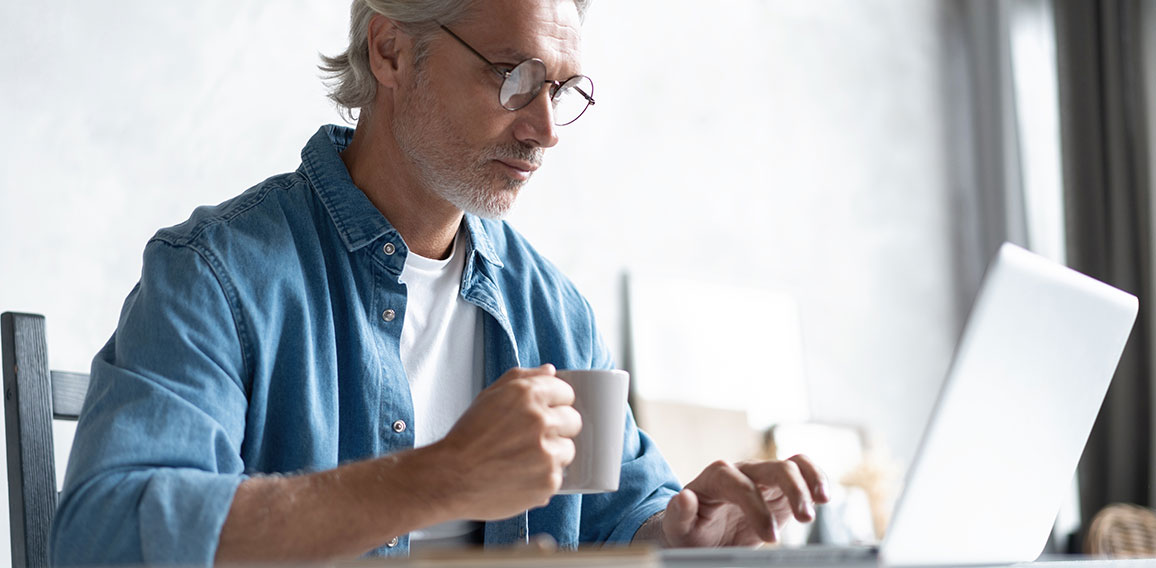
<point x="743" y="557"/>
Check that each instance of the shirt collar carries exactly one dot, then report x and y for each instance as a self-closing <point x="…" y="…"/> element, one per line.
<point x="481" y="239"/>
<point x="356" y="218"/>
<point x="358" y="221"/>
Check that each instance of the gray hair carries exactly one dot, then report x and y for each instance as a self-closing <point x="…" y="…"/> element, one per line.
<point x="347" y="75"/>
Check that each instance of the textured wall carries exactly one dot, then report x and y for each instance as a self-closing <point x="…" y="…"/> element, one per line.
<point x="798" y="146"/>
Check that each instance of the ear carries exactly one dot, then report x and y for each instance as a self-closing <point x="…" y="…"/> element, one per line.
<point x="387" y="44"/>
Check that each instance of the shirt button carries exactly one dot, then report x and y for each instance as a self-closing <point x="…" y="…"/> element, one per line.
<point x="392" y="542"/>
<point x="388" y="315"/>
<point x="399" y="426"/>
<point x="389" y="248"/>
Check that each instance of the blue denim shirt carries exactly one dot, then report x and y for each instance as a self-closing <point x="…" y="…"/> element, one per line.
<point x="255" y="342"/>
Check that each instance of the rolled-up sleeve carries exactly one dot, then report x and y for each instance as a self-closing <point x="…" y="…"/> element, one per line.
<point x="156" y="457"/>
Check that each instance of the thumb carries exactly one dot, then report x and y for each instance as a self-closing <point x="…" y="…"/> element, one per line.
<point x="681" y="512"/>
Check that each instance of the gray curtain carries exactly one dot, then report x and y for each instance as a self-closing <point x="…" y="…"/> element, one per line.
<point x="988" y="200"/>
<point x="1107" y="199"/>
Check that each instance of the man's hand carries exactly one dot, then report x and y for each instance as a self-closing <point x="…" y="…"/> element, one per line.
<point x="510" y="446"/>
<point x="743" y="504"/>
<point x="504" y="455"/>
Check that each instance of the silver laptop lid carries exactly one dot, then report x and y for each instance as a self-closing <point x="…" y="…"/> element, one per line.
<point x="1028" y="377"/>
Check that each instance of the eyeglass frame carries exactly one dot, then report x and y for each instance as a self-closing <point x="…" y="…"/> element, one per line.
<point x="505" y="73"/>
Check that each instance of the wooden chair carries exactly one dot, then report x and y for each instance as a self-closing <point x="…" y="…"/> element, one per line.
<point x="33" y="396"/>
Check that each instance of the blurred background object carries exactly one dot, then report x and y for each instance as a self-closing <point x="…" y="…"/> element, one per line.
<point x="715" y="345"/>
<point x="1122" y="530"/>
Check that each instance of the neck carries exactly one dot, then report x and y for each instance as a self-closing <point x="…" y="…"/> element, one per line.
<point x="426" y="221"/>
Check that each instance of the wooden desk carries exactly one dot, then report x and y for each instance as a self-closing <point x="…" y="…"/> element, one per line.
<point x="642" y="557"/>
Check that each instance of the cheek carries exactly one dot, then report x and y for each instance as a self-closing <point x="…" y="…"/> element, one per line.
<point x="480" y="121"/>
<point x="485" y="129"/>
<point x="471" y="113"/>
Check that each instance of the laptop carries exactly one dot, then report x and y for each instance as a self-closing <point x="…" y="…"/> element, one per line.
<point x="998" y="455"/>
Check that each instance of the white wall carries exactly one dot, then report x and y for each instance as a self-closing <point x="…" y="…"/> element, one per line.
<point x="799" y="145"/>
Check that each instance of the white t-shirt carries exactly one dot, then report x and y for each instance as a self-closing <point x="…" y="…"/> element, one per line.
<point x="441" y="350"/>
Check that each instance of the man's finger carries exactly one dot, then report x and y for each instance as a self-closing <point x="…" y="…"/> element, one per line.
<point x="724" y="482"/>
<point x="568" y="421"/>
<point x="563" y="450"/>
<point x="815" y="477"/>
<point x="546" y="385"/>
<point x="554" y="391"/>
<point x="786" y="477"/>
<point x="540" y="383"/>
<point x="681" y="512"/>
<point x="515" y="373"/>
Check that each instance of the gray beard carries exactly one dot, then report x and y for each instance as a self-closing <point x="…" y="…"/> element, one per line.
<point x="464" y="187"/>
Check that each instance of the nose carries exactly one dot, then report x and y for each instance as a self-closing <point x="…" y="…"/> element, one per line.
<point x="535" y="125"/>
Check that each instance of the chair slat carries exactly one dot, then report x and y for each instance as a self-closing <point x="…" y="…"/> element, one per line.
<point x="68" y="390"/>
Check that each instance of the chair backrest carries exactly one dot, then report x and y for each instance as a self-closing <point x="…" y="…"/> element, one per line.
<point x="33" y="396"/>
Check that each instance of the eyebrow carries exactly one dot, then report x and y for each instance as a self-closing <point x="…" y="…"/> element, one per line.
<point x="509" y="57"/>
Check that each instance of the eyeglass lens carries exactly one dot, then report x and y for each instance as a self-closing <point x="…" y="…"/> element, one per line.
<point x="525" y="81"/>
<point x="570" y="101"/>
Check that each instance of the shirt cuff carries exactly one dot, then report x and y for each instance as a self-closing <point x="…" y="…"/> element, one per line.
<point x="182" y="512"/>
<point x="623" y="534"/>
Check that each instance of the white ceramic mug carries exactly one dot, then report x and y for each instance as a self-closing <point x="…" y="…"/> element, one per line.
<point x="600" y="397"/>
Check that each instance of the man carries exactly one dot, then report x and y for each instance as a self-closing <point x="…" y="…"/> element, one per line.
<point x="299" y="373"/>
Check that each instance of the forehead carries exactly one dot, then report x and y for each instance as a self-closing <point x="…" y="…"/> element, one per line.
<point x="512" y="30"/>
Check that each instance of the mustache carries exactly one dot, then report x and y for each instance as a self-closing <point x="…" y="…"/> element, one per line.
<point x="519" y="152"/>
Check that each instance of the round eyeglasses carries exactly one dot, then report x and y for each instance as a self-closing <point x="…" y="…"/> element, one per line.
<point x="522" y="83"/>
